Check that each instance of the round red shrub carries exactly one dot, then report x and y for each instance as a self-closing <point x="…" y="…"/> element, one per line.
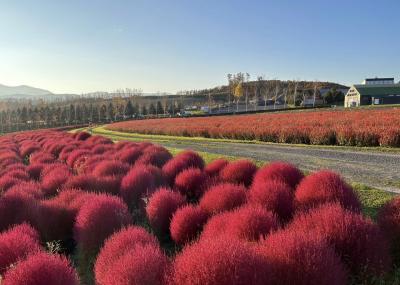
<point x="130" y="155"/>
<point x="137" y="252"/>
<point x="357" y="240"/>
<point x="273" y="195"/>
<point x="239" y="172"/>
<point x="17" y="208"/>
<point x="214" y="168"/>
<point x="155" y="155"/>
<point x="282" y="171"/>
<point x="325" y="187"/>
<point x="389" y="220"/>
<point x="139" y="183"/>
<point x="219" y="261"/>
<point x="160" y="208"/>
<point x="16" y="244"/>
<point x="182" y="161"/>
<point x="41" y="157"/>
<point x="187" y="222"/>
<point x="223" y="197"/>
<point x="191" y="183"/>
<point x="98" y="219"/>
<point x="19" y="174"/>
<point x="54" y="180"/>
<point x="75" y="155"/>
<point x="85" y="182"/>
<point x="297" y="257"/>
<point x="81" y="136"/>
<point x="42" y="269"/>
<point x="116" y="246"/>
<point x="250" y="223"/>
<point x="28" y="187"/>
<point x="110" y="168"/>
<point x="6" y="182"/>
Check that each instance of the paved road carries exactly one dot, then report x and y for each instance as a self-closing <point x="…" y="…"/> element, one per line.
<point x="377" y="169"/>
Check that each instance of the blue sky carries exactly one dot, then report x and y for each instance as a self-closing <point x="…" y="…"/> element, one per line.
<point x="82" y="46"/>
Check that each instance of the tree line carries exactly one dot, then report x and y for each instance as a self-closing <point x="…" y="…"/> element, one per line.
<point x="78" y="113"/>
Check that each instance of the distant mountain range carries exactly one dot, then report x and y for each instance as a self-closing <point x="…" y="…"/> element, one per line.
<point x="22" y="91"/>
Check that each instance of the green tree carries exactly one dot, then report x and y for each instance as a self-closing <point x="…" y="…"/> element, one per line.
<point x="152" y="109"/>
<point x="110" y="112"/>
<point x="160" y="109"/>
<point x="129" y="112"/>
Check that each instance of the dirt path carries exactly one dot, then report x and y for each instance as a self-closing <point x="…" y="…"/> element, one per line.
<point x="376" y="169"/>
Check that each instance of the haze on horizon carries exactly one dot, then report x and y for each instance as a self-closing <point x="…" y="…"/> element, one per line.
<point x="85" y="46"/>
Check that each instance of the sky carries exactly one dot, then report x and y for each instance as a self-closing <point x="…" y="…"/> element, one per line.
<point x="79" y="46"/>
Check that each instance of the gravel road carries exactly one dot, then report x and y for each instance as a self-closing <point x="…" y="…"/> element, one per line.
<point x="376" y="169"/>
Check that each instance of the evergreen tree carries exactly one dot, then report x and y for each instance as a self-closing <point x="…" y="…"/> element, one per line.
<point x="152" y="109"/>
<point x="129" y="112"/>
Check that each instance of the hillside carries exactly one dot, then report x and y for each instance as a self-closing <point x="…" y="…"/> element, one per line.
<point x="22" y="91"/>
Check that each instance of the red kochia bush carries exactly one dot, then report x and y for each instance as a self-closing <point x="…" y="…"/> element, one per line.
<point x="140" y="182"/>
<point x="155" y="155"/>
<point x="357" y="240"/>
<point x="214" y="168"/>
<point x="99" y="219"/>
<point x="28" y="187"/>
<point x="16" y="208"/>
<point x="110" y="168"/>
<point x="273" y="195"/>
<point x="139" y="264"/>
<point x="35" y="170"/>
<point x="223" y="197"/>
<point x="54" y="180"/>
<point x="81" y="136"/>
<point x="42" y="269"/>
<point x="182" y="161"/>
<point x="191" y="183"/>
<point x="130" y="154"/>
<point x="6" y="182"/>
<point x="219" y="261"/>
<point x="325" y="187"/>
<point x="162" y="205"/>
<point x="285" y="172"/>
<point x="247" y="223"/>
<point x="389" y="222"/>
<point x="187" y="222"/>
<point x="16" y="244"/>
<point x="116" y="246"/>
<point x="239" y="172"/>
<point x="297" y="257"/>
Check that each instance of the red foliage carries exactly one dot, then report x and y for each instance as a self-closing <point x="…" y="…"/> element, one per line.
<point x="35" y="170"/>
<point x="81" y="136"/>
<point x="42" y="269"/>
<point x="275" y="196"/>
<point x="187" y="222"/>
<point x="130" y="155"/>
<point x="219" y="261"/>
<point x="297" y="257"/>
<point x="239" y="172"/>
<point x="325" y="187"/>
<point x="16" y="244"/>
<point x="155" y="155"/>
<point x="17" y="208"/>
<point x="6" y="182"/>
<point x="99" y="219"/>
<point x="357" y="240"/>
<point x="282" y="171"/>
<point x="389" y="222"/>
<point x="182" y="161"/>
<point x="223" y="197"/>
<point x="54" y="180"/>
<point x="140" y="264"/>
<point x="214" y="168"/>
<point x="126" y="249"/>
<point x="248" y="223"/>
<point x="160" y="208"/>
<point x="140" y="182"/>
<point x="29" y="187"/>
<point x="357" y="127"/>
<point x="111" y="168"/>
<point x="191" y="183"/>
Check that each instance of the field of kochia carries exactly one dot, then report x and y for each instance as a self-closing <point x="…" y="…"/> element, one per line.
<point x="81" y="209"/>
<point x="365" y="127"/>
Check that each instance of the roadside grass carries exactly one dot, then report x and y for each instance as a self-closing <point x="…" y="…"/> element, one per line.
<point x="101" y="130"/>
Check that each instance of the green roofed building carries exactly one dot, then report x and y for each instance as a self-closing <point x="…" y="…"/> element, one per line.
<point x="373" y="93"/>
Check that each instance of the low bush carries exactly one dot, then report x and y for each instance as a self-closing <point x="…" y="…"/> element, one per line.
<point x="191" y="183"/>
<point x="239" y="172"/>
<point x="214" y="168"/>
<point x="282" y="171"/>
